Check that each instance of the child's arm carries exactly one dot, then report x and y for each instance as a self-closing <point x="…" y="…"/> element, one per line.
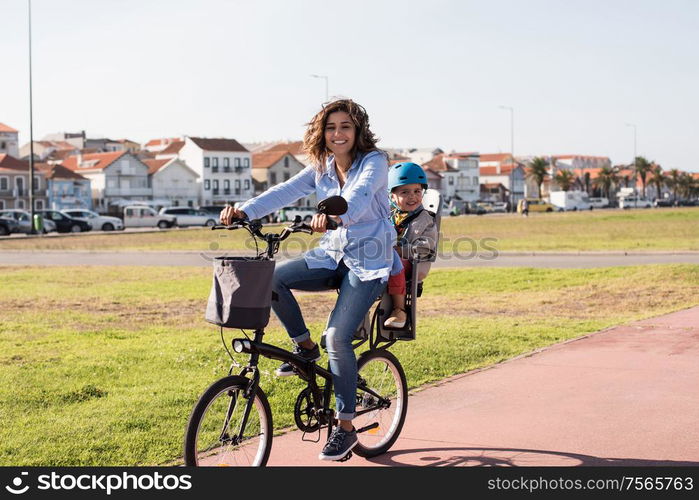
<point x="420" y="241"/>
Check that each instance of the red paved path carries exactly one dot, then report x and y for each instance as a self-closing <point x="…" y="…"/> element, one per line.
<point x="624" y="396"/>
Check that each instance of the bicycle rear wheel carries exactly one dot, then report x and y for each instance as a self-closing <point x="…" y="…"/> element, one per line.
<point x="215" y="433"/>
<point x="382" y="402"/>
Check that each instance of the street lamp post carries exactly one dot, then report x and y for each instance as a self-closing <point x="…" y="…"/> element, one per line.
<point x="31" y="127"/>
<point x="635" y="181"/>
<point x="512" y="152"/>
<point x="326" y="84"/>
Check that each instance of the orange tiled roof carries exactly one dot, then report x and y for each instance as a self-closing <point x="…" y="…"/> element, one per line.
<point x="59" y="172"/>
<point x="228" y="145"/>
<point x="7" y="161"/>
<point x="95" y="161"/>
<point x="295" y="147"/>
<point x="155" y="165"/>
<point x="438" y="164"/>
<point x="268" y="158"/>
<point x="172" y="149"/>
<point x="501" y="157"/>
<point x="6" y="128"/>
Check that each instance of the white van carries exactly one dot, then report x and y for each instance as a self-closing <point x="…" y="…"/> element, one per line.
<point x="570" y="200"/>
<point x="143" y="216"/>
<point x="634" y="201"/>
<point x="599" y="202"/>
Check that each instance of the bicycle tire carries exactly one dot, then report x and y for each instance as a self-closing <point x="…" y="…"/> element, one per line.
<point x="384" y="374"/>
<point x="207" y="429"/>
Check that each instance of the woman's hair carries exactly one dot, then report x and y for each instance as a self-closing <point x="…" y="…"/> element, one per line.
<point x="314" y="138"/>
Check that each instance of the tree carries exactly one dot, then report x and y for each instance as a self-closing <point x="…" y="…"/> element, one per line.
<point x="673" y="181"/>
<point x="606" y="178"/>
<point x="685" y="185"/>
<point x="565" y="179"/>
<point x="538" y="171"/>
<point x="642" y="168"/>
<point x="657" y="178"/>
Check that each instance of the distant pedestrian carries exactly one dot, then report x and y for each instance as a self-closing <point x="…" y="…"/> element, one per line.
<point x="525" y="208"/>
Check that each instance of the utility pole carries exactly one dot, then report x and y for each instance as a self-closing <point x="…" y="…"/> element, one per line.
<point x="326" y="85"/>
<point x="31" y="127"/>
<point x="512" y="152"/>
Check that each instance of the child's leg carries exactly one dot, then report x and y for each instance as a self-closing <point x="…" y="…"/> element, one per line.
<point x="397" y="290"/>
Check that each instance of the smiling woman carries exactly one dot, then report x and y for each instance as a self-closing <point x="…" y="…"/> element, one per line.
<point x="358" y="254"/>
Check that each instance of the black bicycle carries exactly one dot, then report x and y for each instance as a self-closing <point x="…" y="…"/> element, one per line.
<point x="231" y="424"/>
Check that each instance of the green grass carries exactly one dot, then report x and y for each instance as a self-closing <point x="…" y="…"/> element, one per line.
<point x="630" y="230"/>
<point x="101" y="366"/>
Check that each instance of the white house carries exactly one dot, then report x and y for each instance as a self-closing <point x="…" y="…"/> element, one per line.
<point x="14" y="184"/>
<point x="115" y="178"/>
<point x="467" y="180"/>
<point x="173" y="182"/>
<point x="273" y="167"/>
<point x="9" y="141"/>
<point x="442" y="176"/>
<point x="224" y="168"/>
<point x="499" y="168"/>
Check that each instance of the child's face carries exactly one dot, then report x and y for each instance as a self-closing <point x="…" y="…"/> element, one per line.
<point x="407" y="197"/>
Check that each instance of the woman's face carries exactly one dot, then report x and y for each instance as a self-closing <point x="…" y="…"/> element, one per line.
<point x="339" y="133"/>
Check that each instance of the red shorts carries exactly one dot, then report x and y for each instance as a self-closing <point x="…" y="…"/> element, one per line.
<point x="396" y="283"/>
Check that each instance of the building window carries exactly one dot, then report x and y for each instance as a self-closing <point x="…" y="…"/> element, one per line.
<point x="286" y="176"/>
<point x="272" y="178"/>
<point x="226" y="162"/>
<point x="451" y="180"/>
<point x="4" y="183"/>
<point x="37" y="183"/>
<point x="190" y="203"/>
<point x="207" y="184"/>
<point x="3" y="145"/>
<point x="2" y="204"/>
<point x="206" y="162"/>
<point x="247" y="184"/>
<point x="215" y="184"/>
<point x="246" y="162"/>
<point x="39" y="205"/>
<point x="475" y="181"/>
<point x="236" y="162"/>
<point x="286" y="161"/>
<point x="20" y="204"/>
<point x="227" y="185"/>
<point x="214" y="161"/>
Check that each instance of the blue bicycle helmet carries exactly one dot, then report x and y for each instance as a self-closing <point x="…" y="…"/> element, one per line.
<point x="404" y="173"/>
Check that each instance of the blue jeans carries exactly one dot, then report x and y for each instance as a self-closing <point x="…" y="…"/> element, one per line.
<point x="353" y="302"/>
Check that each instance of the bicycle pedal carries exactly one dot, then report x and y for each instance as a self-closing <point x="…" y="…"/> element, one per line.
<point x="346" y="457"/>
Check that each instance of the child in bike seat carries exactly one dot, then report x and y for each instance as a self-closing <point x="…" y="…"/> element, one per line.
<point x="417" y="232"/>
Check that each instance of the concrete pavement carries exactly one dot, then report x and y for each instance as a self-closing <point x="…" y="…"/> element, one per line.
<point x="624" y="396"/>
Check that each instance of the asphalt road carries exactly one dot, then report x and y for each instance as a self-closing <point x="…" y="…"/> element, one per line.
<point x="580" y="260"/>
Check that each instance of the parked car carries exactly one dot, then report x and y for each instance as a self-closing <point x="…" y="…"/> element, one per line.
<point x="500" y="207"/>
<point x="8" y="226"/>
<point x="211" y="209"/>
<point x="664" y="202"/>
<point x="23" y="219"/>
<point x="535" y="205"/>
<point x="145" y="216"/>
<point x="599" y="202"/>
<point x="634" y="201"/>
<point x="290" y="213"/>
<point x="97" y="221"/>
<point x="187" y="216"/>
<point x="686" y="203"/>
<point x="64" y="222"/>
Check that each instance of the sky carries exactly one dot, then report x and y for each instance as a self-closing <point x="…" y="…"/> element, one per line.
<point x="430" y="73"/>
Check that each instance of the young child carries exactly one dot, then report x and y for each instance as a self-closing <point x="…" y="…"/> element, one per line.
<point x="417" y="232"/>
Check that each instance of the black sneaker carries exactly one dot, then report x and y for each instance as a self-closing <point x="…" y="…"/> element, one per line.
<point x="339" y="445"/>
<point x="310" y="354"/>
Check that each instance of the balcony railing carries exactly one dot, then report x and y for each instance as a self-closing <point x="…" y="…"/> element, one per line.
<point x="226" y="191"/>
<point x="226" y="169"/>
<point x="144" y="191"/>
<point x="215" y="191"/>
<point x="214" y="170"/>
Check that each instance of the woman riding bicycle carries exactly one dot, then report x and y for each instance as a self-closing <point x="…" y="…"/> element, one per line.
<point x="359" y="254"/>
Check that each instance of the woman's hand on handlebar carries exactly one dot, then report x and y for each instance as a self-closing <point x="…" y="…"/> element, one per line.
<point x="319" y="222"/>
<point x="229" y="214"/>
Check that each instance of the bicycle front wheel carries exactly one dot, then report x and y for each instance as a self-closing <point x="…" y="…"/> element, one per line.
<point x="218" y="434"/>
<point x="382" y="402"/>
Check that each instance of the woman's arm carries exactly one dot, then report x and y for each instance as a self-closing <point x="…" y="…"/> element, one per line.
<point x="281" y="195"/>
<point x="374" y="176"/>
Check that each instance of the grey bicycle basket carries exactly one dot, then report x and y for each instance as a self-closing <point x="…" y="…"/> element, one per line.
<point x="241" y="293"/>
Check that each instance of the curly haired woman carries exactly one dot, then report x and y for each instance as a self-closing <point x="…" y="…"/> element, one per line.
<point x="359" y="254"/>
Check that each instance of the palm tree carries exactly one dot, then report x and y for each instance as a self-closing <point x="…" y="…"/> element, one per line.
<point x="642" y="168"/>
<point x="538" y="171"/>
<point x="565" y="179"/>
<point x="673" y="181"/>
<point x="657" y="178"/>
<point x="606" y="178"/>
<point x="685" y="185"/>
